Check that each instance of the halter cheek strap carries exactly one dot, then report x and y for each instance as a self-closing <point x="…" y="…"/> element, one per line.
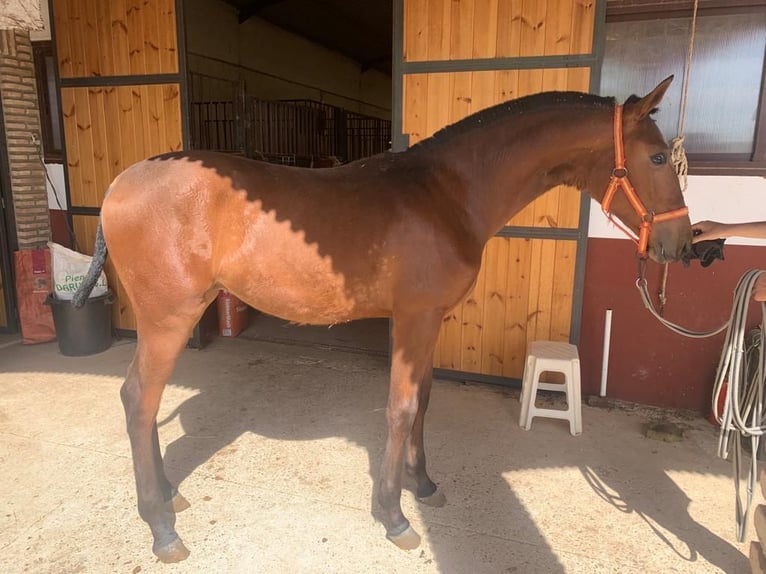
<point x="619" y="180"/>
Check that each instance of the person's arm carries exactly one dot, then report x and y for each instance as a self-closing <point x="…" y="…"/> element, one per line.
<point x="716" y="230"/>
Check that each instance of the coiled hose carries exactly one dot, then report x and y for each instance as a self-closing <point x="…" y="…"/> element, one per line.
<point x="741" y="373"/>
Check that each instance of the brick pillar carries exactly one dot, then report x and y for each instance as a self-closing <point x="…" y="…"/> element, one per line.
<point x="21" y="115"/>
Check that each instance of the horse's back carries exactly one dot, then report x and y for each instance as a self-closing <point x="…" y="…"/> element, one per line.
<point x="308" y="245"/>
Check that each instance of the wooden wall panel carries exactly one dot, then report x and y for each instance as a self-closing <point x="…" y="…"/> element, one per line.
<point x="524" y="290"/>
<point x="470" y="29"/>
<point x="107" y="129"/>
<point x="518" y="298"/>
<point x="108" y="125"/>
<point x="115" y="37"/>
<point x="523" y="293"/>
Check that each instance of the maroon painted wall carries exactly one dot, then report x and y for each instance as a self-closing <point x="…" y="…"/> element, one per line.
<point x="648" y="363"/>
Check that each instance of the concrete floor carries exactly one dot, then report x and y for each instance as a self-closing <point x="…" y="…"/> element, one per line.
<point x="277" y="448"/>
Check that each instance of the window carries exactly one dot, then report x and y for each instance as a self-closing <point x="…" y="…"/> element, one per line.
<point x="723" y="123"/>
<point x="48" y="101"/>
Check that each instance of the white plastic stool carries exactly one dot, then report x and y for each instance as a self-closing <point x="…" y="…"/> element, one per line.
<point x="551" y="356"/>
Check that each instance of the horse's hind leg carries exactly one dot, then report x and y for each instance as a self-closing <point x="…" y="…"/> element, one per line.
<point x="414" y="338"/>
<point x="415" y="457"/>
<point x="159" y="344"/>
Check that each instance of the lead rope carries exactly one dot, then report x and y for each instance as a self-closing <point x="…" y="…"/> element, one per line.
<point x="743" y="410"/>
<point x="641" y="285"/>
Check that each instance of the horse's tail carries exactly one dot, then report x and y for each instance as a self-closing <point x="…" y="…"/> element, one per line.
<point x="94" y="271"/>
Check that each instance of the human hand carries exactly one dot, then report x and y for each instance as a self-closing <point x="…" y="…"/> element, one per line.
<point x="708" y="230"/>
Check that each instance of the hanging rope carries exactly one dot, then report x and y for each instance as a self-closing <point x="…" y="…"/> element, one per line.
<point x="677" y="153"/>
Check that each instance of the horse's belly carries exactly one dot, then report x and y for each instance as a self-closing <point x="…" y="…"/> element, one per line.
<point x="310" y="304"/>
<point x="305" y="268"/>
<point x="309" y="294"/>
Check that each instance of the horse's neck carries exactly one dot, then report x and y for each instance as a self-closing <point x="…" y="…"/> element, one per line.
<point x="505" y="167"/>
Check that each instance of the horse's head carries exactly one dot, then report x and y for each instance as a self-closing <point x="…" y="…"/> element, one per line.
<point x="644" y="192"/>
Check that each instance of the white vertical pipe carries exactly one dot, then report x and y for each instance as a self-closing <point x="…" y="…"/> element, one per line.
<point x="605" y="357"/>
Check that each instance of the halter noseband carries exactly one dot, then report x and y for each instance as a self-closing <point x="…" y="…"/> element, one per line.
<point x="619" y="180"/>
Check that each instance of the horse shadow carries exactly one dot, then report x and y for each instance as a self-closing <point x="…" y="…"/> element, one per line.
<point x="302" y="394"/>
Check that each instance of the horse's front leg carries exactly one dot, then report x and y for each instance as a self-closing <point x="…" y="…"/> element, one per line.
<point x="415" y="457"/>
<point x="414" y="338"/>
<point x="174" y="500"/>
<point x="156" y="354"/>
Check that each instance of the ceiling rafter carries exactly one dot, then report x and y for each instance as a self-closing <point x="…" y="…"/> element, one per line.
<point x="361" y="30"/>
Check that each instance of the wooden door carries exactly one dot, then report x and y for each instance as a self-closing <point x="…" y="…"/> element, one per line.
<point x="458" y="57"/>
<point x="118" y="64"/>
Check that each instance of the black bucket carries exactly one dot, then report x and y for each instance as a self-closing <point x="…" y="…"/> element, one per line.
<point x="83" y="331"/>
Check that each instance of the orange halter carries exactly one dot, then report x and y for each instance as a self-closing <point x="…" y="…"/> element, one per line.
<point x="619" y="180"/>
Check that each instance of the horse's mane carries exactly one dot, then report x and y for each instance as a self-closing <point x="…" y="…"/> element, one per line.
<point x="517" y="107"/>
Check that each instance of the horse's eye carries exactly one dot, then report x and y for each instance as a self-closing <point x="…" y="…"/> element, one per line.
<point x="659" y="159"/>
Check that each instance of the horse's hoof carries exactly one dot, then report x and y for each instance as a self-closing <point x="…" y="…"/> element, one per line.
<point x="172" y="552"/>
<point x="407" y="540"/>
<point x="437" y="499"/>
<point x="178" y="503"/>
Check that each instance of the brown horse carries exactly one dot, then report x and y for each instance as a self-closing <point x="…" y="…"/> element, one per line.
<point x="397" y="235"/>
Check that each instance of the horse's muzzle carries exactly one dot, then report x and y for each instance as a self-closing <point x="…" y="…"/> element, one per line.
<point x="668" y="249"/>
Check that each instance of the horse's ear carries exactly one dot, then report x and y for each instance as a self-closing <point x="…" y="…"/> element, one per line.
<point x="641" y="108"/>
